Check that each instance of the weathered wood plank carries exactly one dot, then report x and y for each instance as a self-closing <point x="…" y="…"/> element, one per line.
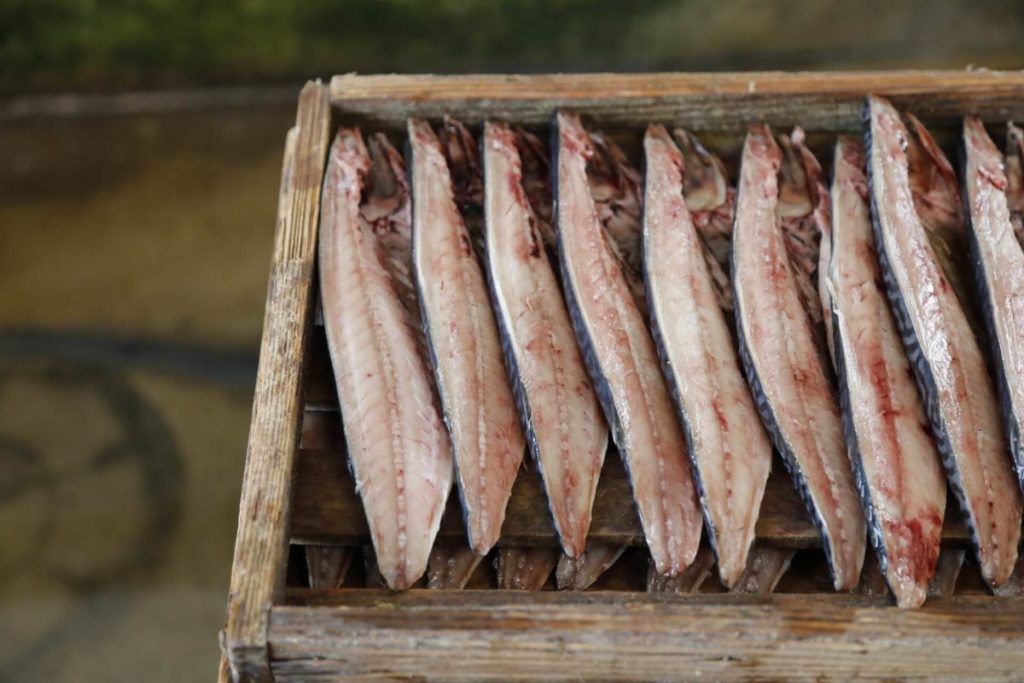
<point x="717" y="101"/>
<point x="223" y="670"/>
<point x="500" y="635"/>
<point x="257" y="576"/>
<point x="330" y="512"/>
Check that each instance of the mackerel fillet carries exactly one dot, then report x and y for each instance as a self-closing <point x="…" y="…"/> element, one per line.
<point x="398" y="447"/>
<point x="728" y="446"/>
<point x="897" y="465"/>
<point x="999" y="270"/>
<point x="917" y="223"/>
<point x="559" y="409"/>
<point x="599" y="244"/>
<point x="462" y="335"/>
<point x="785" y="365"/>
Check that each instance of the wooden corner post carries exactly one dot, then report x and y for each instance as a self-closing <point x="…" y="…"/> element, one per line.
<point x="261" y="544"/>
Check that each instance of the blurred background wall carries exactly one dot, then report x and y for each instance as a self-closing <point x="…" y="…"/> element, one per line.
<point x="140" y="147"/>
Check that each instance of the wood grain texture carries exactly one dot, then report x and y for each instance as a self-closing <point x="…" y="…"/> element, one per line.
<point x="330" y="512"/>
<point x="223" y="670"/>
<point x="498" y="635"/>
<point x="257" y="576"/>
<point x="701" y="101"/>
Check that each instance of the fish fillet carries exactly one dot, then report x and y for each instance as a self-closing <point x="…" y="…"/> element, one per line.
<point x="783" y="357"/>
<point x="462" y="335"/>
<point x="605" y="299"/>
<point x="999" y="272"/>
<point x="896" y="462"/>
<point x="398" y="447"/>
<point x="560" y="413"/>
<point x="916" y="211"/>
<point x="729" y="448"/>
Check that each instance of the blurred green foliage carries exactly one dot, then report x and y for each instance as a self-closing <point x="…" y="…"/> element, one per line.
<point x="47" y="44"/>
<point x="147" y="42"/>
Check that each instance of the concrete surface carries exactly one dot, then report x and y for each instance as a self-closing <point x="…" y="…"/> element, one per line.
<point x="134" y="254"/>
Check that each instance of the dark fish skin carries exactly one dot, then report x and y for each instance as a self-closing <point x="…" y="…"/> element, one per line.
<point x="635" y="398"/>
<point x="802" y="415"/>
<point x="964" y="412"/>
<point x="998" y="262"/>
<point x="894" y="458"/>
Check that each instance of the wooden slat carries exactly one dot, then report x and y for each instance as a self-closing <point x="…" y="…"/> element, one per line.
<point x="717" y="101"/>
<point x="261" y="544"/>
<point x="223" y="670"/>
<point x="502" y="635"/>
<point x="328" y="511"/>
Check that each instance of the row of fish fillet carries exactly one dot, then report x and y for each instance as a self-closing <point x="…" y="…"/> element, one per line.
<point x="480" y="298"/>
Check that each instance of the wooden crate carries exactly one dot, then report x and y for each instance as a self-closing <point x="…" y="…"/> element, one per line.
<point x="297" y="490"/>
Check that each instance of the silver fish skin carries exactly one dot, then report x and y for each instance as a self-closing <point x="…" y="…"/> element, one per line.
<point x="462" y="335"/>
<point x="728" y="446"/>
<point x="560" y="413"/>
<point x="916" y="210"/>
<point x="999" y="273"/>
<point x="782" y="355"/>
<point x="620" y="355"/>
<point x="896" y="462"/>
<point x="398" y="447"/>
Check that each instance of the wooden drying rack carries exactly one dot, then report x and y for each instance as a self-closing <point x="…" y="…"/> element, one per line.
<point x="295" y="492"/>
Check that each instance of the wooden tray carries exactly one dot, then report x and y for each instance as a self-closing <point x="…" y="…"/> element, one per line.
<point x="297" y="490"/>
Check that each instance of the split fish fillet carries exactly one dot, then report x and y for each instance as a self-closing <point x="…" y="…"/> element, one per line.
<point x="918" y="225"/>
<point x="398" y="447"/>
<point x="777" y="315"/>
<point x="462" y="335"/>
<point x="897" y="465"/>
<point x="599" y="247"/>
<point x="560" y="413"/>
<point x="728" y="446"/>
